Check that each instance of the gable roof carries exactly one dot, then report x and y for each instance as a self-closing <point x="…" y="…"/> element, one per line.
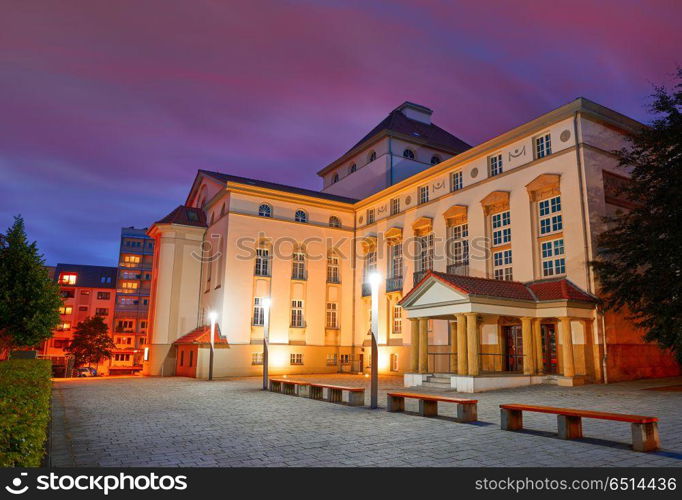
<point x="186" y="216"/>
<point x="202" y="335"/>
<point x="398" y="124"/>
<point x="532" y="291"/>
<point x="225" y="178"/>
<point x="88" y="276"/>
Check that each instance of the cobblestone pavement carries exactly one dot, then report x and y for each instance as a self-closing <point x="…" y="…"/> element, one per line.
<point x="230" y="422"/>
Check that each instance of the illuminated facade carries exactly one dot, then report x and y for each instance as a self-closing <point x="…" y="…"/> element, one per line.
<point x="484" y="252"/>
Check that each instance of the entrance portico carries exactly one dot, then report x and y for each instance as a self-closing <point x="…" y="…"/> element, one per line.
<point x="502" y="333"/>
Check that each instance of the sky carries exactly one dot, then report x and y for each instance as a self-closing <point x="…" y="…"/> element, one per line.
<point x="108" y="108"/>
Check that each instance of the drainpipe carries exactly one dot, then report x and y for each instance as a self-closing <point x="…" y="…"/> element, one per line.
<point x="353" y="350"/>
<point x="605" y="374"/>
<point x="583" y="209"/>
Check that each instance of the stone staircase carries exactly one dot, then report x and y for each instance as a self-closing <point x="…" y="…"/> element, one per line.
<point x="438" y="381"/>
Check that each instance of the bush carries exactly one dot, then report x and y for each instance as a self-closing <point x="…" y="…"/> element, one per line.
<point x="25" y="391"/>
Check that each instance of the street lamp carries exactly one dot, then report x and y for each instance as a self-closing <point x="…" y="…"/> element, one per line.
<point x="374" y="281"/>
<point x="212" y="316"/>
<point x="266" y="340"/>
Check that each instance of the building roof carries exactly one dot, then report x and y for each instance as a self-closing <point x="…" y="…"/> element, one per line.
<point x="397" y="123"/>
<point x="533" y="291"/>
<point x="89" y="276"/>
<point x="219" y="176"/>
<point x="202" y="335"/>
<point x="186" y="216"/>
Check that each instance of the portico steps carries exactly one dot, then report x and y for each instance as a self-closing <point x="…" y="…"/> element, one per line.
<point x="438" y="382"/>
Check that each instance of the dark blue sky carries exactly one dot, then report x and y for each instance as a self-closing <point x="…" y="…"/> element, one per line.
<point x="107" y="109"/>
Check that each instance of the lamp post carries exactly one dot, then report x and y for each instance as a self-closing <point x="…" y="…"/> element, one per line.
<point x="374" y="281"/>
<point x="212" y="316"/>
<point x="266" y="340"/>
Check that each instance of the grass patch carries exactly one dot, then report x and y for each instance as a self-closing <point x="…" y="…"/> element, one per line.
<point x="25" y="392"/>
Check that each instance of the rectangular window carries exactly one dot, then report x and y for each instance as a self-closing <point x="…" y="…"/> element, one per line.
<point x="494" y="165"/>
<point x="65" y="310"/>
<point x="543" y="146"/>
<point x="502" y="265"/>
<point x="423" y="194"/>
<point x="553" y="260"/>
<point x="395" y="260"/>
<point x="370" y="264"/>
<point x="103" y="295"/>
<point x="132" y="285"/>
<point x="395" y="206"/>
<point x="332" y="359"/>
<point x="67" y="294"/>
<point x="501" y="231"/>
<point x="258" y="312"/>
<point x="332" y="318"/>
<point x="456" y="181"/>
<point x="394" y="362"/>
<point x="370" y="216"/>
<point x="549" y="215"/>
<point x="458" y="249"/>
<point x="345" y="359"/>
<point x="67" y="279"/>
<point x="298" y="267"/>
<point x="424" y="252"/>
<point x="262" y="262"/>
<point x="83" y="308"/>
<point x="256" y="358"/>
<point x="101" y="311"/>
<point x="333" y="269"/>
<point x="397" y="320"/>
<point x="297" y="314"/>
<point x="296" y="359"/>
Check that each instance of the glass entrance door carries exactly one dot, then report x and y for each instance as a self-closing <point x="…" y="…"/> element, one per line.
<point x="514" y="348"/>
<point x="549" y="354"/>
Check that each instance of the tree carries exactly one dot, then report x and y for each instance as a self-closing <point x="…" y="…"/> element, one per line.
<point x="640" y="263"/>
<point x="91" y="342"/>
<point x="29" y="300"/>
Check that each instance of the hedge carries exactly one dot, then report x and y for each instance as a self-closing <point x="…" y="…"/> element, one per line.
<point x="25" y="392"/>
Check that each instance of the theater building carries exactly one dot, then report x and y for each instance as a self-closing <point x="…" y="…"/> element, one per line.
<point x="483" y="253"/>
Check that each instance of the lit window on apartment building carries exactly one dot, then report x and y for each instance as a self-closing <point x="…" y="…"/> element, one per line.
<point x="549" y="215"/>
<point x="64" y="326"/>
<point x="65" y="310"/>
<point x="258" y="312"/>
<point x="502" y="265"/>
<point x="67" y="279"/>
<point x="553" y="260"/>
<point x="395" y="206"/>
<point x="297" y="314"/>
<point x="256" y="358"/>
<point x="494" y="165"/>
<point x="103" y="295"/>
<point x="543" y="146"/>
<point x="296" y="359"/>
<point x="370" y="216"/>
<point x="456" y="181"/>
<point x="129" y="285"/>
<point x="131" y="261"/>
<point x="85" y="292"/>
<point x="332" y="318"/>
<point x="423" y="194"/>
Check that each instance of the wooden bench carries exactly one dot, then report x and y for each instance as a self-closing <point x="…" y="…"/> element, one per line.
<point x="334" y="394"/>
<point x="467" y="409"/>
<point x="644" y="429"/>
<point x="290" y="387"/>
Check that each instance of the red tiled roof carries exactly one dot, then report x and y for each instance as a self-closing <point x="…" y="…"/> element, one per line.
<point x="202" y="335"/>
<point x="186" y="216"/>
<point x="534" y="291"/>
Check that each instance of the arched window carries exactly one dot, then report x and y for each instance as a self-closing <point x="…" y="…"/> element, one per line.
<point x="435" y="159"/>
<point x="352" y="168"/>
<point x="373" y="156"/>
<point x="334" y="221"/>
<point x="265" y="210"/>
<point x="409" y="154"/>
<point x="301" y="216"/>
<point x="335" y="179"/>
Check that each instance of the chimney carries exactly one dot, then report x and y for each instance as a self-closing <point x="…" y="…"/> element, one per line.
<point x="416" y="112"/>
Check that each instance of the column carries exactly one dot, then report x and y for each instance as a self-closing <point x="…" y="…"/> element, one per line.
<point x="414" y="352"/>
<point x="452" y="332"/>
<point x="537" y="345"/>
<point x="423" y="345"/>
<point x="567" y="347"/>
<point x="527" y="346"/>
<point x="461" y="345"/>
<point x="472" y="343"/>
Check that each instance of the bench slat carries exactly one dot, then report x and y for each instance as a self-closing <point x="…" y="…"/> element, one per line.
<point x="432" y="397"/>
<point x="289" y="381"/>
<point x="339" y="387"/>
<point x="619" y="417"/>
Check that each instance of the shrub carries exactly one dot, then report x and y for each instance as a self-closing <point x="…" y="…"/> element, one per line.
<point x="25" y="391"/>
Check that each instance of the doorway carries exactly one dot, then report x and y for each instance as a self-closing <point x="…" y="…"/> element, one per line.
<point x="514" y="348"/>
<point x="549" y="352"/>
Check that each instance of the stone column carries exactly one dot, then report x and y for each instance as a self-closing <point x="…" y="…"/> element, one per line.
<point x="537" y="345"/>
<point x="414" y="352"/>
<point x="567" y="347"/>
<point x="423" y="345"/>
<point x="462" y="365"/>
<point x="452" y="332"/>
<point x="527" y="346"/>
<point x="473" y="341"/>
